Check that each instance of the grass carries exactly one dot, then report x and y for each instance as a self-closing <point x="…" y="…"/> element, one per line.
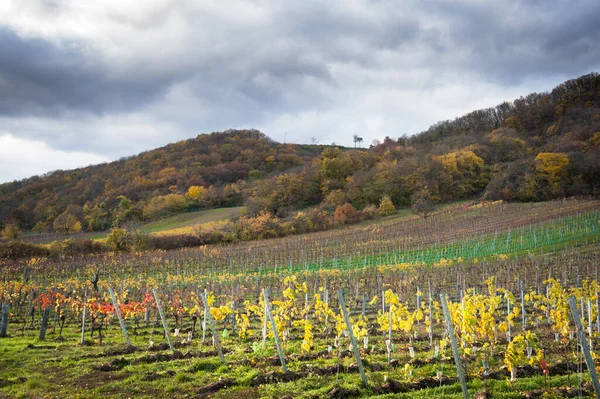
<point x="177" y="224"/>
<point x="68" y="371"/>
<point x="181" y="221"/>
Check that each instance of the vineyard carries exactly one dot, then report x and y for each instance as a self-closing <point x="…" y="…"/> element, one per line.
<point x="480" y="300"/>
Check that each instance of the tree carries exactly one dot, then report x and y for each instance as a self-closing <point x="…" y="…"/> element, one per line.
<point x="11" y="231"/>
<point x="97" y="217"/>
<point x="551" y="165"/>
<point x="357" y="139"/>
<point x="163" y="204"/>
<point x="422" y="204"/>
<point x="118" y="240"/>
<point x="334" y="199"/>
<point x="195" y="192"/>
<point x="386" y="207"/>
<point x="458" y="174"/>
<point x="345" y="214"/>
<point x="69" y="220"/>
<point x="124" y="202"/>
<point x="75" y="227"/>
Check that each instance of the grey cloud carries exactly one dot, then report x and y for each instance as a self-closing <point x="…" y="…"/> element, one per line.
<point x="513" y="41"/>
<point x="39" y="77"/>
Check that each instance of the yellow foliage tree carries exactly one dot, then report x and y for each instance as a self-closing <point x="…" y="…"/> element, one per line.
<point x="75" y="227"/>
<point x="462" y="173"/>
<point x="551" y="165"/>
<point x="386" y="207"/>
<point x="11" y="232"/>
<point x="195" y="192"/>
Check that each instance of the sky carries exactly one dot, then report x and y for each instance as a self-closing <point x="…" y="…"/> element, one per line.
<point x="84" y="82"/>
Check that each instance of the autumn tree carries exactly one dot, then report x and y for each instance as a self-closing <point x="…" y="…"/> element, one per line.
<point x="334" y="199"/>
<point x="386" y="207"/>
<point x="552" y="166"/>
<point x="118" y="240"/>
<point x="337" y="165"/>
<point x="126" y="211"/>
<point x="195" y="192"/>
<point x="345" y="214"/>
<point x="11" y="232"/>
<point x="97" y="217"/>
<point x="458" y="174"/>
<point x="422" y="204"/>
<point x="70" y="220"/>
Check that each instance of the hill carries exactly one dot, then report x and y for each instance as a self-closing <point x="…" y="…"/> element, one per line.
<point x="538" y="147"/>
<point x="150" y="185"/>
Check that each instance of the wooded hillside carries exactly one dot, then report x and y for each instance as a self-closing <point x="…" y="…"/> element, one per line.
<point x="538" y="147"/>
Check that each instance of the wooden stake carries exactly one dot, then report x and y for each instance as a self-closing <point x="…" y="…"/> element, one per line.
<point x="4" y="321"/>
<point x="353" y="340"/>
<point x="45" y="317"/>
<point x="118" y="312"/>
<point x="584" y="345"/>
<point x="274" y="328"/>
<point x="83" y="316"/>
<point x="211" y="322"/>
<point x="164" y="321"/>
<point x="461" y="375"/>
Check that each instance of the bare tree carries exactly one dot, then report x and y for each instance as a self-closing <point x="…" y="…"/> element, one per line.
<point x="422" y="204"/>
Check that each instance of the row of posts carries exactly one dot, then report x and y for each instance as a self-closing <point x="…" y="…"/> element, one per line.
<point x="269" y="319"/>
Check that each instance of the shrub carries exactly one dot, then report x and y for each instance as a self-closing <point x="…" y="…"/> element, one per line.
<point x="386" y="207"/>
<point x="167" y="242"/>
<point x="11" y="232"/>
<point x="345" y="214"/>
<point x="18" y="250"/>
<point x="118" y="240"/>
<point x="369" y="211"/>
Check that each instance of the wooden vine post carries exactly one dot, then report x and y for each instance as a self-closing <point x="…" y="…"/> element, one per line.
<point x="523" y="319"/>
<point x="164" y="321"/>
<point x="265" y="325"/>
<point x="274" y="328"/>
<point x="44" y="325"/>
<point x="584" y="345"/>
<point x="459" y="369"/>
<point x="83" y="316"/>
<point x="389" y="346"/>
<point x="204" y="319"/>
<point x="211" y="322"/>
<point x="118" y="312"/>
<point x="4" y="321"/>
<point x="353" y="340"/>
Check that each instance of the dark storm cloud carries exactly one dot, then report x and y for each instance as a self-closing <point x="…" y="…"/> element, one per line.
<point x="40" y="77"/>
<point x="324" y="26"/>
<point x="507" y="42"/>
<point x="511" y="42"/>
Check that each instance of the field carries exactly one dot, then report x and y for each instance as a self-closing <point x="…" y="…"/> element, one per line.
<point x="186" y="221"/>
<point x="265" y="318"/>
<point x="178" y="224"/>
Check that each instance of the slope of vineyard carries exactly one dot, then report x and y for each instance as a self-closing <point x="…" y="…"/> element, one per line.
<point x="507" y="271"/>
